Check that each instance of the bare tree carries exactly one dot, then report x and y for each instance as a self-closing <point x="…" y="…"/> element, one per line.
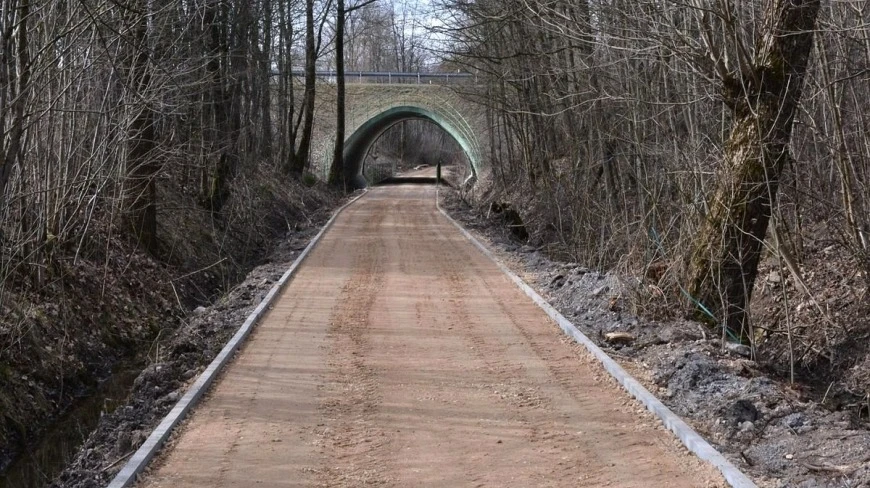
<point x="336" y="173"/>
<point x="764" y="96"/>
<point x="300" y="158"/>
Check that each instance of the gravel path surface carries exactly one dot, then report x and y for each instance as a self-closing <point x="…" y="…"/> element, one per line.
<point x="399" y="355"/>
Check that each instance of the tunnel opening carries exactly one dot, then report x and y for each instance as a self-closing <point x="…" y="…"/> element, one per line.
<point x="403" y="140"/>
<point x="415" y="151"/>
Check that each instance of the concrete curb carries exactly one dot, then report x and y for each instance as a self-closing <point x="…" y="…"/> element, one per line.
<point x="134" y="466"/>
<point x="691" y="439"/>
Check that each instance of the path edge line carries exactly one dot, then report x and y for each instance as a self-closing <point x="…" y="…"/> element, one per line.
<point x="140" y="459"/>
<point x="686" y="434"/>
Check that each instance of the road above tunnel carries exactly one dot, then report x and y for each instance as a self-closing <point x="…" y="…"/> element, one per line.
<point x="399" y="355"/>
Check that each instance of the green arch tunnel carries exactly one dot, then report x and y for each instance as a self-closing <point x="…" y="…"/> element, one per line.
<point x="356" y="146"/>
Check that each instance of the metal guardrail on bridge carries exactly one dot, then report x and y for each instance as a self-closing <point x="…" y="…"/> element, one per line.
<point x="393" y="77"/>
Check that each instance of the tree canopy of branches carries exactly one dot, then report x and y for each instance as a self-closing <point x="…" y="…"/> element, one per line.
<point x="101" y="100"/>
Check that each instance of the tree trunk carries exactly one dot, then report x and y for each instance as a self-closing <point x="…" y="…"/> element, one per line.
<point x="222" y="102"/>
<point x="300" y="160"/>
<point x="723" y="264"/>
<point x="286" y="95"/>
<point x="265" y="79"/>
<point x="336" y="171"/>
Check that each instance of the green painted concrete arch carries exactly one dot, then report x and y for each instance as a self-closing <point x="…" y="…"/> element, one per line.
<point x="371" y="108"/>
<point x="356" y="146"/>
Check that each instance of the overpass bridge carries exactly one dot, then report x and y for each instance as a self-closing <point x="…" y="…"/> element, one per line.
<point x="372" y="108"/>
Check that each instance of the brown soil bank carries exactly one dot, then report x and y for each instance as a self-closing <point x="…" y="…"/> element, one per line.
<point x="64" y="326"/>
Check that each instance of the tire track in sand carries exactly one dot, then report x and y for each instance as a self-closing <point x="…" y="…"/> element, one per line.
<point x="350" y="396"/>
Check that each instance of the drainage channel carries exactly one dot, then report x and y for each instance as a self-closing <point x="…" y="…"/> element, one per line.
<point x="39" y="463"/>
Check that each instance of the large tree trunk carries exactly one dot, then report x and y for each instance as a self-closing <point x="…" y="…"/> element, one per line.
<point x="286" y="95"/>
<point x="265" y="68"/>
<point x="724" y="261"/>
<point x="221" y="103"/>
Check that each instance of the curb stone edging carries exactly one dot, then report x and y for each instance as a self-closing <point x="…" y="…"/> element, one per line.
<point x="691" y="439"/>
<point x="140" y="459"/>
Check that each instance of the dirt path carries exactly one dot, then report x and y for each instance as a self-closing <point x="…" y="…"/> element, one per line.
<point x="401" y="356"/>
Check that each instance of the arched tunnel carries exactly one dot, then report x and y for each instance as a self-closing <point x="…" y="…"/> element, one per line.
<point x="357" y="145"/>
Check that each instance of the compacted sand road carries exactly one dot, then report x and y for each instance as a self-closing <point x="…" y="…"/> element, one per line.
<point x="399" y="355"/>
